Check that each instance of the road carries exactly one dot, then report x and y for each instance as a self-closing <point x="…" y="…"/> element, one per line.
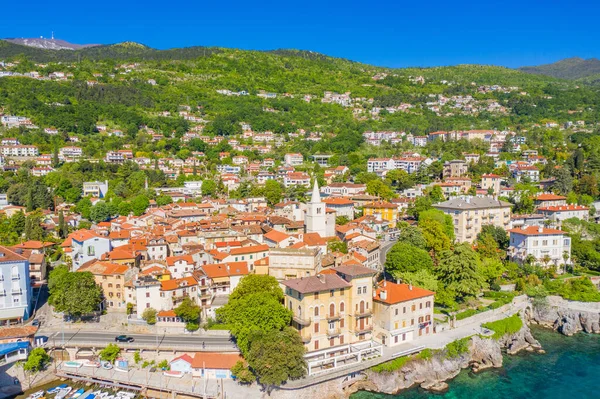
<point x="384" y="248"/>
<point x="195" y="341"/>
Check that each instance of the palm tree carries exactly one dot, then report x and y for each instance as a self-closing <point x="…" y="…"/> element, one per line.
<point x="566" y="255"/>
<point x="545" y="260"/>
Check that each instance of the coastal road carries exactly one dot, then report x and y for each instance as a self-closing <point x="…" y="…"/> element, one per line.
<point x="194" y="342"/>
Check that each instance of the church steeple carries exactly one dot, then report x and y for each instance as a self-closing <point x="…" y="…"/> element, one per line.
<point x="316" y="196"/>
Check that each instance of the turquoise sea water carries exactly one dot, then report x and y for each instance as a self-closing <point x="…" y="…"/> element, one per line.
<point x="570" y="369"/>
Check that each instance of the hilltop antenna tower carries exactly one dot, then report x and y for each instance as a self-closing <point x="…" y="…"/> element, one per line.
<point x="52" y="35"/>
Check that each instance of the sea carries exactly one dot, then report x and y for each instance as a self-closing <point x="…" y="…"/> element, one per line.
<point x="570" y="369"/>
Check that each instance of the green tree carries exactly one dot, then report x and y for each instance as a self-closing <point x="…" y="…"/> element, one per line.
<point x="337" y="246"/>
<point x="83" y="207"/>
<point x="564" y="181"/>
<point x="74" y="293"/>
<point x="63" y="230"/>
<point x="110" y="353"/>
<point x="189" y="312"/>
<point x="380" y="189"/>
<point x="242" y="373"/>
<point x="487" y="247"/>
<point x="139" y="205"/>
<point x="439" y="216"/>
<point x="273" y="192"/>
<point x="149" y="316"/>
<point x="100" y="212"/>
<point x="257" y="284"/>
<point x="277" y="356"/>
<point x="209" y="188"/>
<point x="405" y="257"/>
<point x="17" y="223"/>
<point x="435" y="236"/>
<point x="459" y="271"/>
<point x="412" y="235"/>
<point x="498" y="233"/>
<point x="421" y="278"/>
<point x="36" y="361"/>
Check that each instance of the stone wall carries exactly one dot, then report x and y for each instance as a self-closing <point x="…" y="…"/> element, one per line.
<point x="566" y="317"/>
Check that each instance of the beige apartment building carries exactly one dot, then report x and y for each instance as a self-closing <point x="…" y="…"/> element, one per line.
<point x="470" y="214"/>
<point x="402" y="313"/>
<point x="291" y="263"/>
<point x="332" y="309"/>
<point x="456" y="168"/>
<point x="491" y="182"/>
<point x="111" y="277"/>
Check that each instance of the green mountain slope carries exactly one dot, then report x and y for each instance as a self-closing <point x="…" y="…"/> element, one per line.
<point x="569" y="68"/>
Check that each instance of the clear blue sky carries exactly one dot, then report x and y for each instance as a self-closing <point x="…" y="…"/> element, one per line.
<point x="392" y="33"/>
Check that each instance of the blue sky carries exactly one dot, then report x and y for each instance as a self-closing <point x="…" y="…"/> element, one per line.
<point x="385" y="32"/>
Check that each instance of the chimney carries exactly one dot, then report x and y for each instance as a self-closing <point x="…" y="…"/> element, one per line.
<point x="321" y="278"/>
<point x="383" y="295"/>
<point x="398" y="281"/>
<point x="227" y="266"/>
<point x="540" y="229"/>
<point x="410" y="287"/>
<point x="384" y="282"/>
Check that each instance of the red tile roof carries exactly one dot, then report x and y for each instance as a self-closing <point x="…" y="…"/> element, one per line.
<point x="218" y="270"/>
<point x="535" y="231"/>
<point x="249" y="250"/>
<point x="550" y="197"/>
<point x="397" y="293"/>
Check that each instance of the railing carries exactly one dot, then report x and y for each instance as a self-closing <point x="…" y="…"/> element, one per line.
<point x="364" y="329"/>
<point x="335" y="316"/>
<point x="306" y="339"/>
<point x="16" y="291"/>
<point x="16" y="276"/>
<point x="302" y="322"/>
<point x="364" y="313"/>
<point x="332" y="332"/>
<point x="2" y="293"/>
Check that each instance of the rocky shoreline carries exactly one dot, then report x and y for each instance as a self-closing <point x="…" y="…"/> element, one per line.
<point x="565" y="317"/>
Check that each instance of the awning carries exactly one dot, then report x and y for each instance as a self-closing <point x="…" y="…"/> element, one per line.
<point x="12" y="313"/>
<point x="5" y="349"/>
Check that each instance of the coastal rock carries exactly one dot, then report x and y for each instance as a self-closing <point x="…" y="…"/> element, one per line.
<point x="567" y="317"/>
<point x="522" y="340"/>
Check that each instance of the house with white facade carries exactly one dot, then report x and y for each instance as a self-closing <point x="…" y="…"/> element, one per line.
<point x="87" y="245"/>
<point x="15" y="287"/>
<point x="549" y="247"/>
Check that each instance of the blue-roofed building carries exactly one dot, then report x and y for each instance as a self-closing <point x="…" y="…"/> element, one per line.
<point x="13" y="352"/>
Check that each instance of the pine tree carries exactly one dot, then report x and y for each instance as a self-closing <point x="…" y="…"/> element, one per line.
<point x="55" y="160"/>
<point x="30" y="203"/>
<point x="63" y="231"/>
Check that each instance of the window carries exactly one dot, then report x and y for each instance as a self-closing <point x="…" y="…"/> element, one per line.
<point x="331" y="292"/>
<point x="316" y="311"/>
<point x="414" y="307"/>
<point x="396" y="312"/>
<point x="331" y="342"/>
<point x="316" y="327"/>
<point x="342" y="323"/>
<point x="420" y="306"/>
<point x="404" y="337"/>
<point x="91" y="251"/>
<point x="342" y="307"/>
<point x="331" y="325"/>
<point x="412" y="322"/>
<point x="404" y="309"/>
<point x="148" y="294"/>
<point x="316" y="295"/>
<point x="396" y="339"/>
<point x="428" y="304"/>
<point x="359" y="290"/>
<point x="316" y="345"/>
<point x="341" y="339"/>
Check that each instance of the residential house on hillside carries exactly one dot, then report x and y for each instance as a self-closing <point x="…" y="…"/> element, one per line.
<point x="547" y="247"/>
<point x="15" y="288"/>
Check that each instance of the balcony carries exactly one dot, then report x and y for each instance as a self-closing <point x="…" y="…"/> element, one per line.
<point x="2" y="293"/>
<point x="363" y="330"/>
<point x="16" y="291"/>
<point x="306" y="339"/>
<point x="365" y="313"/>
<point x="16" y="276"/>
<point x="333" y="332"/>
<point x="301" y="321"/>
<point x="333" y="317"/>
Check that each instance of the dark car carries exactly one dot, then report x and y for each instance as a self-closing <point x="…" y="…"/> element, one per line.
<point x="123" y="338"/>
<point x="35" y="323"/>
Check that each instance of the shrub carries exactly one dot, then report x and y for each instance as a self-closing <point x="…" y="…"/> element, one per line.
<point x="110" y="353"/>
<point x="510" y="325"/>
<point x="456" y="348"/>
<point x="163" y="365"/>
<point x="137" y="357"/>
<point x="149" y="316"/>
<point x="425" y="354"/>
<point x="242" y="373"/>
<point x="577" y="289"/>
<point x="466" y="313"/>
<point x="391" y="365"/>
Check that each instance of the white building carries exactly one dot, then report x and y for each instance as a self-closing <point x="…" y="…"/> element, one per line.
<point x="563" y="212"/>
<point x="96" y="189"/>
<point x="19" y="151"/>
<point x="70" y="153"/>
<point x="87" y="245"/>
<point x="317" y="219"/>
<point x="293" y="159"/>
<point x="549" y="247"/>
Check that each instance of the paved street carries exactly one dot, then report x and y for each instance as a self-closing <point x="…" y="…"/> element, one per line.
<point x="195" y="341"/>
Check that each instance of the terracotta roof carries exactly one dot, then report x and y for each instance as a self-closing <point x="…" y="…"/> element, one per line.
<point x="323" y="282"/>
<point x="6" y="255"/>
<point x="535" y="231"/>
<point x="172" y="259"/>
<point x="17" y="332"/>
<point x="167" y="313"/>
<point x="169" y="285"/>
<point x="227" y="269"/>
<point x="119" y="235"/>
<point x="338" y="201"/>
<point x="249" y="250"/>
<point x="83" y="235"/>
<point x="549" y="197"/>
<point x="215" y="360"/>
<point x="561" y="208"/>
<point x="276" y="236"/>
<point x="36" y="258"/>
<point x="396" y="293"/>
<point x="103" y="268"/>
<point x="34" y="245"/>
<point x="185" y="357"/>
<point x="380" y="204"/>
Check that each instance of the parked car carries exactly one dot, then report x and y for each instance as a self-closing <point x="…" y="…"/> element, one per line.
<point x="35" y="323"/>
<point x="123" y="338"/>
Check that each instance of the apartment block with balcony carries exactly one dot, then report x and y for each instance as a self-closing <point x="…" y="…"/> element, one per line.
<point x="15" y="288"/>
<point x="470" y="214"/>
<point x="402" y="313"/>
<point x="96" y="189"/>
<point x="548" y="247"/>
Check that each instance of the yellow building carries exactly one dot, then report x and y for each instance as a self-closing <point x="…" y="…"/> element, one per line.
<point x="111" y="277"/>
<point x="332" y="309"/>
<point x="383" y="209"/>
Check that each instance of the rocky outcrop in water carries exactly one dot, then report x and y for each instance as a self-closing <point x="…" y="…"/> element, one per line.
<point x="566" y="317"/>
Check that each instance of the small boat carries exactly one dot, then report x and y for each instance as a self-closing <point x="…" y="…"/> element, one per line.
<point x="36" y="395"/>
<point x="77" y="393"/>
<point x="102" y="395"/>
<point x="90" y="396"/>
<point x="91" y="364"/>
<point x="175" y="374"/>
<point x="63" y="393"/>
<point x="125" y="394"/>
<point x="57" y="389"/>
